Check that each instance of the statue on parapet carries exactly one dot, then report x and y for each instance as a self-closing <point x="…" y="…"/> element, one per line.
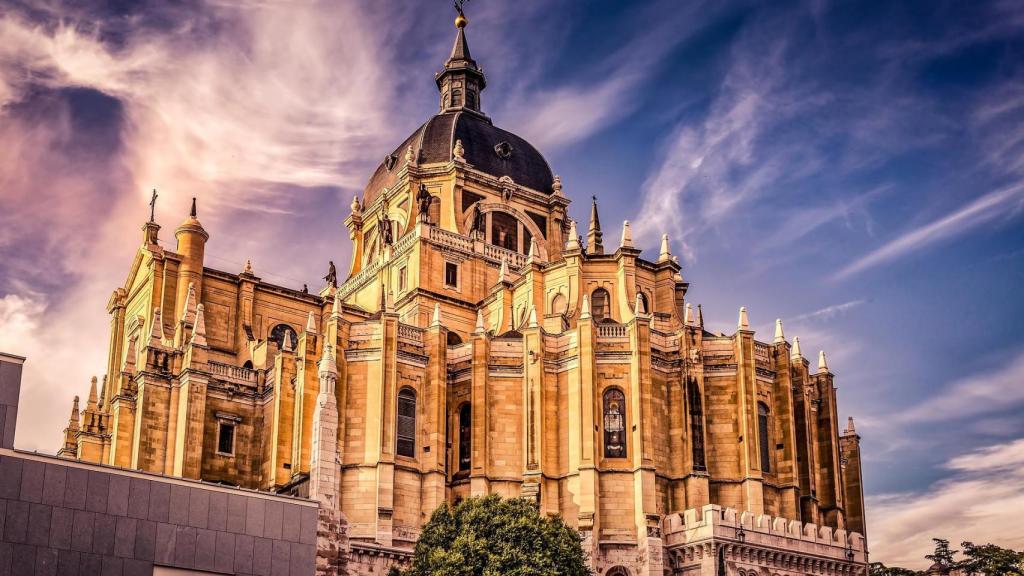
<point x="332" y="274"/>
<point x="423" y="199"/>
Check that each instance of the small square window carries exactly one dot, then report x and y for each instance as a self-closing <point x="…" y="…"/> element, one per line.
<point x="451" y="275"/>
<point x="226" y="439"/>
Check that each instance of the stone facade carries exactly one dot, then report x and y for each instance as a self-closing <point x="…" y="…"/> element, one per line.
<point x="478" y="345"/>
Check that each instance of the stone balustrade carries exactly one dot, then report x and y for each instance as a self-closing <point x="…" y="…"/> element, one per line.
<point x="410" y="334"/>
<point x="230" y="372"/>
<point x="612" y="330"/>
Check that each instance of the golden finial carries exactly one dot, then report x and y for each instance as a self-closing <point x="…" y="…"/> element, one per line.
<point x="460" y="20"/>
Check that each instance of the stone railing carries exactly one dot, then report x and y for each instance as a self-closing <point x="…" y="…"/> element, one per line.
<point x="515" y="259"/>
<point x="233" y="372"/>
<point x="451" y="239"/>
<point x="612" y="330"/>
<point x="410" y="334"/>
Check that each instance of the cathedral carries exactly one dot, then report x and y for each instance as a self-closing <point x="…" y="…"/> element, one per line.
<point x="480" y="342"/>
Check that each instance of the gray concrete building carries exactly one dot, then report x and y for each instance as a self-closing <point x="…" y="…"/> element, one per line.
<point x="69" y="518"/>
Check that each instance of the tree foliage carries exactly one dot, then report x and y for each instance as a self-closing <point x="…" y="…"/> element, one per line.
<point x="983" y="560"/>
<point x="491" y="537"/>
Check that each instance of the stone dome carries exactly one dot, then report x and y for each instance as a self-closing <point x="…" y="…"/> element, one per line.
<point x="488" y="149"/>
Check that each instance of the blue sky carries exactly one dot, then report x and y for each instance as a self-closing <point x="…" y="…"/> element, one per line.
<point x="854" y="168"/>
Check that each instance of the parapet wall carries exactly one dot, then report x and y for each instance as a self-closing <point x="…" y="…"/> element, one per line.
<point x="714" y="522"/>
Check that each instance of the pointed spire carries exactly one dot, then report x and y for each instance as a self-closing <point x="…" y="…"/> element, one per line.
<point x="503" y="271"/>
<point x="689" y="314"/>
<point x="639" y="309"/>
<point x="534" y="252"/>
<point x="436" y="320"/>
<point x="822" y="362"/>
<point x="188" y="311"/>
<point x="311" y="323"/>
<point x="850" y="428"/>
<point x="93" y="401"/>
<point x="103" y="392"/>
<point x="131" y="355"/>
<point x="461" y="78"/>
<point x="533" y="316"/>
<point x="480" y="327"/>
<point x="594" y="245"/>
<point x="744" y="322"/>
<point x="795" y="352"/>
<point x="192" y="213"/>
<point x="75" y="415"/>
<point x="627" y="236"/>
<point x="573" y="243"/>
<point x="336" y="305"/>
<point x="389" y="302"/>
<point x="460" y="50"/>
<point x="327" y="365"/>
<point x="199" y="330"/>
<point x="779" y="335"/>
<point x="664" y="255"/>
<point x="156" y="330"/>
<point x="700" y="316"/>
<point x="585" y="308"/>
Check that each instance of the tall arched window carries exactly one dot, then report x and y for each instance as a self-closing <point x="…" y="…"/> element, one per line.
<point x="762" y="431"/>
<point x="600" y="305"/>
<point x="407" y="423"/>
<point x="696" y="425"/>
<point x="465" y="437"/>
<point x="471" y="99"/>
<point x="614" y="424"/>
<point x="453" y="339"/>
<point x="456" y="97"/>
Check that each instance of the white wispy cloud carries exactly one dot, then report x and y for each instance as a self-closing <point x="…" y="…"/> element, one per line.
<point x="987" y="392"/>
<point x="234" y="103"/>
<point x="980" y="501"/>
<point x="992" y="206"/>
<point x="829" y="311"/>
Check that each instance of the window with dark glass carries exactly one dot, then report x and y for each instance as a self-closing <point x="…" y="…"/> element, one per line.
<point x="762" y="431"/>
<point x="646" y="302"/>
<point x="504" y="231"/>
<point x="453" y="339"/>
<point x="614" y="424"/>
<point x="451" y="275"/>
<point x="696" y="425"/>
<point x="226" y="438"/>
<point x="600" y="304"/>
<point x="465" y="437"/>
<point x="456" y="97"/>
<point x="407" y="423"/>
<point x="471" y="99"/>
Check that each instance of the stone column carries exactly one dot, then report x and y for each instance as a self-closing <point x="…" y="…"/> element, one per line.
<point x="325" y="472"/>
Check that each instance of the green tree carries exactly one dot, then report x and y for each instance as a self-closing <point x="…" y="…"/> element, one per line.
<point x="943" y="555"/>
<point x="494" y="537"/>
<point x="990" y="560"/>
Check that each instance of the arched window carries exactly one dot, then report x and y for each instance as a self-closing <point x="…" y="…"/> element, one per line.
<point x="407" y="423"/>
<point x="559" y="304"/>
<point x="614" y="424"/>
<point x="282" y="332"/>
<point x="696" y="425"/>
<point x="600" y="305"/>
<point x="247" y="365"/>
<point x="453" y="339"/>
<point x="471" y="99"/>
<point x="762" y="432"/>
<point x="504" y="231"/>
<point x="456" y="97"/>
<point x="465" y="437"/>
<point x="617" y="571"/>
